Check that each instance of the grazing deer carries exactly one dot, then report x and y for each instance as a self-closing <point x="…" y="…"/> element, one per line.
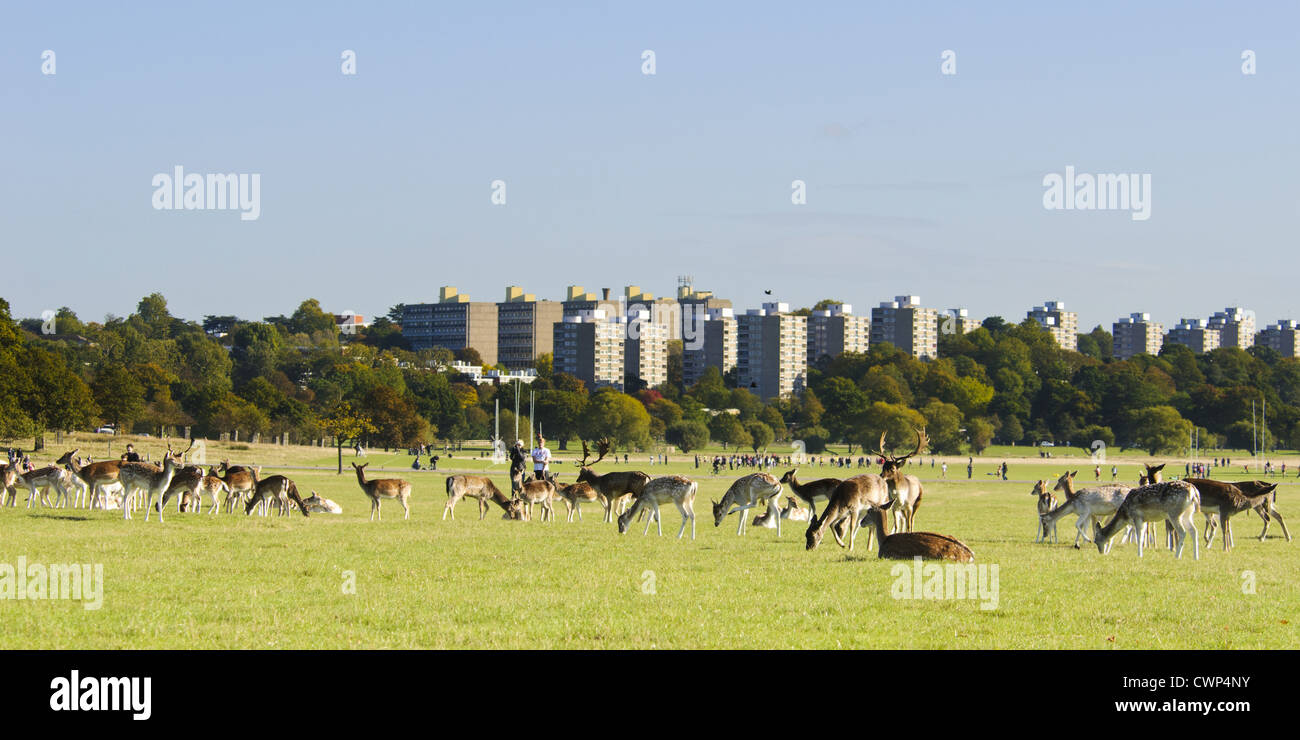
<point x="905" y="490"/>
<point x="1221" y="500"/>
<point x="792" y="511"/>
<point x="1089" y="504"/>
<point x="479" y="487"/>
<point x="382" y="488"/>
<point x="1175" y="501"/>
<point x="909" y="545"/>
<point x="743" y="495"/>
<point x="315" y="503"/>
<point x="616" y="487"/>
<point x="811" y="493"/>
<point x="1046" y="502"/>
<point x="678" y="489"/>
<point x="183" y="485"/>
<point x="851" y="499"/>
<point x="575" y="494"/>
<point x="150" y="480"/>
<point x="278" y="488"/>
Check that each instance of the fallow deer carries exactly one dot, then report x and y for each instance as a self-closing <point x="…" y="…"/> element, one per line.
<point x="150" y="480"/>
<point x="239" y="479"/>
<point x="98" y="476"/>
<point x="8" y="485"/>
<point x="746" y="493"/>
<point x="851" y="499"/>
<point x="479" y="487"/>
<point x="41" y="481"/>
<point x="792" y="512"/>
<point x="678" y="489"/>
<point x="316" y="503"/>
<point x="277" y="488"/>
<point x="1046" y="502"/>
<point x="543" y="492"/>
<point x="1175" y="501"/>
<point x="575" y="494"/>
<point x="811" y="493"/>
<point x="1267" y="511"/>
<point x="382" y="488"/>
<point x="1089" y="504"/>
<point x="616" y="487"/>
<point x="1221" y="500"/>
<point x="906" y="490"/>
<point x="909" y="545"/>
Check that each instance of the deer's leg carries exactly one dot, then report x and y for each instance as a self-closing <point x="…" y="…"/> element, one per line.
<point x="685" y="516"/>
<point x="1285" y="532"/>
<point x="1138" y="525"/>
<point x="1227" y="534"/>
<point x="854" y="525"/>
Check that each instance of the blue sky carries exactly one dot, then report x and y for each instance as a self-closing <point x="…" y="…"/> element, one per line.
<point x="375" y="188"/>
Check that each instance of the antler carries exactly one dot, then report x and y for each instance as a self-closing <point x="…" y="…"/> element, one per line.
<point x="880" y="448"/>
<point x="602" y="446"/>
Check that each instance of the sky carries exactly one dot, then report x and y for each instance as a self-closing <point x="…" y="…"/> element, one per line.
<point x="376" y="187"/>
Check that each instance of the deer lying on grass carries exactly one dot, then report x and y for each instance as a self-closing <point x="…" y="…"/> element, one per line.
<point x="811" y="493"/>
<point x="316" y="504"/>
<point x="575" y="494"/>
<point x="382" y="488"/>
<point x="1089" y="505"/>
<point x="1046" y="502"/>
<point x="746" y="493"/>
<point x="618" y="487"/>
<point x="528" y="493"/>
<point x="852" y="497"/>
<point x="1175" y="501"/>
<point x="478" y="487"/>
<point x="277" y="488"/>
<point x="792" y="511"/>
<point x="904" y="490"/>
<point x="909" y="545"/>
<point x="678" y="489"/>
<point x="1221" y="500"/>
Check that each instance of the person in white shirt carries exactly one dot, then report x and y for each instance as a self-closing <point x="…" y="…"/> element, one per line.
<point x="541" y="459"/>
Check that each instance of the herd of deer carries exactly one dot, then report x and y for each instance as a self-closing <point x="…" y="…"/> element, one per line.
<point x="114" y="484"/>
<point x="1134" y="511"/>
<point x="871" y="500"/>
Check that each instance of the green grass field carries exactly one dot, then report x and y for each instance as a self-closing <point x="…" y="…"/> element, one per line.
<point x="230" y="581"/>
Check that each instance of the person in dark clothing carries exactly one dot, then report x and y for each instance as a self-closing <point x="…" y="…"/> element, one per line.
<point x="130" y="455"/>
<point x="518" y="459"/>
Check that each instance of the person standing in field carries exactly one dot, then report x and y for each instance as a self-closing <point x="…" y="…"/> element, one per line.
<point x="541" y="459"/>
<point x="970" y="467"/>
<point x="1096" y="472"/>
<point x="944" y="469"/>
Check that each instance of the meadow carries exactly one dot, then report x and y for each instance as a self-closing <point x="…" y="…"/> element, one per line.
<point x="340" y="581"/>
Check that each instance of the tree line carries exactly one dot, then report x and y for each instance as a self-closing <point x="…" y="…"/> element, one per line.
<point x="297" y="376"/>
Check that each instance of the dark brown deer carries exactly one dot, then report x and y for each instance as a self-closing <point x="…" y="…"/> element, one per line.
<point x="811" y="493"/>
<point x="276" y="488"/>
<point x="616" y="487"/>
<point x="1225" y="500"/>
<point x="909" y="545"/>
<point x="1267" y="510"/>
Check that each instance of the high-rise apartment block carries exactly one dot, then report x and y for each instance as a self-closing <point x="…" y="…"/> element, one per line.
<point x="1236" y="327"/>
<point x="454" y="322"/>
<point x="772" y="351"/>
<point x="525" y="328"/>
<point x="1061" y="324"/>
<point x="835" y="330"/>
<point x="1137" y="334"/>
<point x="1194" y="334"/>
<point x="904" y="323"/>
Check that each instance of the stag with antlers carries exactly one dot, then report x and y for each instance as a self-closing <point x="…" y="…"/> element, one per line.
<point x="904" y="490"/>
<point x="616" y="487"/>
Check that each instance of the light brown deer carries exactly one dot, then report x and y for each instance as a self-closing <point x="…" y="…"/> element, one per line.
<point x="8" y="485"/>
<point x="851" y="499"/>
<point x="543" y="492"/>
<point x="1089" y="504"/>
<point x="792" y="511"/>
<point x="1046" y="502"/>
<point x="479" y="487"/>
<point x="746" y="493"/>
<point x="240" y="481"/>
<point x="575" y="494"/>
<point x="905" y="490"/>
<point x="98" y="476"/>
<point x="678" y="489"/>
<point x="1175" y="501"/>
<point x="382" y="488"/>
<point x="150" y="480"/>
